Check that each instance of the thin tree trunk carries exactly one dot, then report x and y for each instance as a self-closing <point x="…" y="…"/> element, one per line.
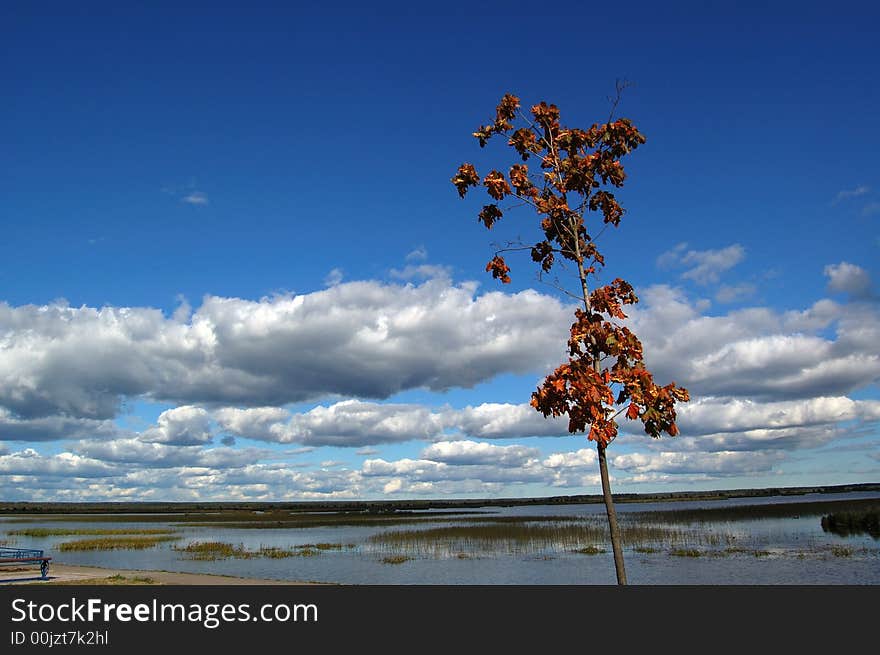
<point x="616" y="545"/>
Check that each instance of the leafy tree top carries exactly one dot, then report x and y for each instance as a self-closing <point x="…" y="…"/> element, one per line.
<point x="605" y="374"/>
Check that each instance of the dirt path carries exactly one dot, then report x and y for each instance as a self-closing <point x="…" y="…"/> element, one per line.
<point x="70" y="574"/>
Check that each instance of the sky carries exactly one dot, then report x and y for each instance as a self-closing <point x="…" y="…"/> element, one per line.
<point x="233" y="266"/>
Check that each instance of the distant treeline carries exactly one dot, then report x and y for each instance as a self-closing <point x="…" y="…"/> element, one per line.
<point x="385" y="506"/>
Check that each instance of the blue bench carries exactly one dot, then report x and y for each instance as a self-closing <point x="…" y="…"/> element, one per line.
<point x="14" y="556"/>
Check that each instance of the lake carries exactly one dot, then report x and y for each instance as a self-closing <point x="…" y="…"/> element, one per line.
<point x="534" y="544"/>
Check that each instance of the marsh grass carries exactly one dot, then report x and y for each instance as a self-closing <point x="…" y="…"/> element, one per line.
<point x="212" y="550"/>
<point x="217" y="550"/>
<point x="735" y="550"/>
<point x="590" y="550"/>
<point x="67" y="532"/>
<point x="395" y="559"/>
<point x="523" y="537"/>
<point x="685" y="552"/>
<point x="115" y="543"/>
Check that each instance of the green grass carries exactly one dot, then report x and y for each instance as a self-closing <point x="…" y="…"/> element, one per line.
<point x="841" y="551"/>
<point x="114" y="543"/>
<point x="67" y="532"/>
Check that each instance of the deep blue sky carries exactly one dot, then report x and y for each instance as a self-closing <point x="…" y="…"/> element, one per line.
<point x="324" y="136"/>
<point x="303" y="122"/>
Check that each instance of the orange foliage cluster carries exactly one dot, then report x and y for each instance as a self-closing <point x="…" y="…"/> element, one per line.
<point x="576" y="164"/>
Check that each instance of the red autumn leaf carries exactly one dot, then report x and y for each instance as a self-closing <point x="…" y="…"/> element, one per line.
<point x="499" y="269"/>
<point x="496" y="185"/>
<point x="466" y="177"/>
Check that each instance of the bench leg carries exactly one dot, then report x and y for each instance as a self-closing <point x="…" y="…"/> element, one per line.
<point x="44" y="569"/>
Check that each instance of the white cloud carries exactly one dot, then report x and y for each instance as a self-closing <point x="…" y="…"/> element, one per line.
<point x="713" y="415"/>
<point x="586" y="457"/>
<point x="357" y="339"/>
<point x="419" y="254"/>
<point x="732" y="293"/>
<point x="469" y="453"/>
<point x="504" y="420"/>
<point x="848" y="194"/>
<point x="334" y="277"/>
<point x="195" y="198"/>
<point x="703" y="266"/>
<point x="30" y="463"/>
<point x="152" y="454"/>
<point x="848" y="278"/>
<point x="356" y="423"/>
<point x="181" y="426"/>
<point x="756" y="352"/>
<point x="421" y="271"/>
<point x="264" y="423"/>
<point x="723" y="463"/>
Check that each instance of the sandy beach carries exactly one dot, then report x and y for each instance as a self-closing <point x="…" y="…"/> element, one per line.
<point x="62" y="574"/>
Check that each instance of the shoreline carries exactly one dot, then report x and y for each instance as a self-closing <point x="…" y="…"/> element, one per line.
<point x="13" y="508"/>
<point x="71" y="574"/>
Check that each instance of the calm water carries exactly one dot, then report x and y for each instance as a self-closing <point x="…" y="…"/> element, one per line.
<point x="793" y="551"/>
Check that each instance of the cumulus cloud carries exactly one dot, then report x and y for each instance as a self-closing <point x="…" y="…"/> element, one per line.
<point x="181" y="426"/>
<point x="848" y="278"/>
<point x="50" y="428"/>
<point x="713" y="415"/>
<point x="356" y="423"/>
<point x="350" y="423"/>
<point x="357" y="339"/>
<point x="586" y="457"/>
<point x="31" y="463"/>
<point x="470" y="453"/>
<point x="504" y="420"/>
<point x="469" y="465"/>
<point x="723" y="463"/>
<point x="703" y="266"/>
<point x="153" y="454"/>
<point x="757" y="352"/>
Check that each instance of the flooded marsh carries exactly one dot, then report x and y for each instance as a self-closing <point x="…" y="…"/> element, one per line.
<point x="814" y="539"/>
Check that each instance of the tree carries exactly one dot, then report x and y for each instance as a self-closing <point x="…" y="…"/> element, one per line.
<point x="605" y="375"/>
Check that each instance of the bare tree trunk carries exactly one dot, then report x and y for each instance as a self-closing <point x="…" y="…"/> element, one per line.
<point x="616" y="545"/>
